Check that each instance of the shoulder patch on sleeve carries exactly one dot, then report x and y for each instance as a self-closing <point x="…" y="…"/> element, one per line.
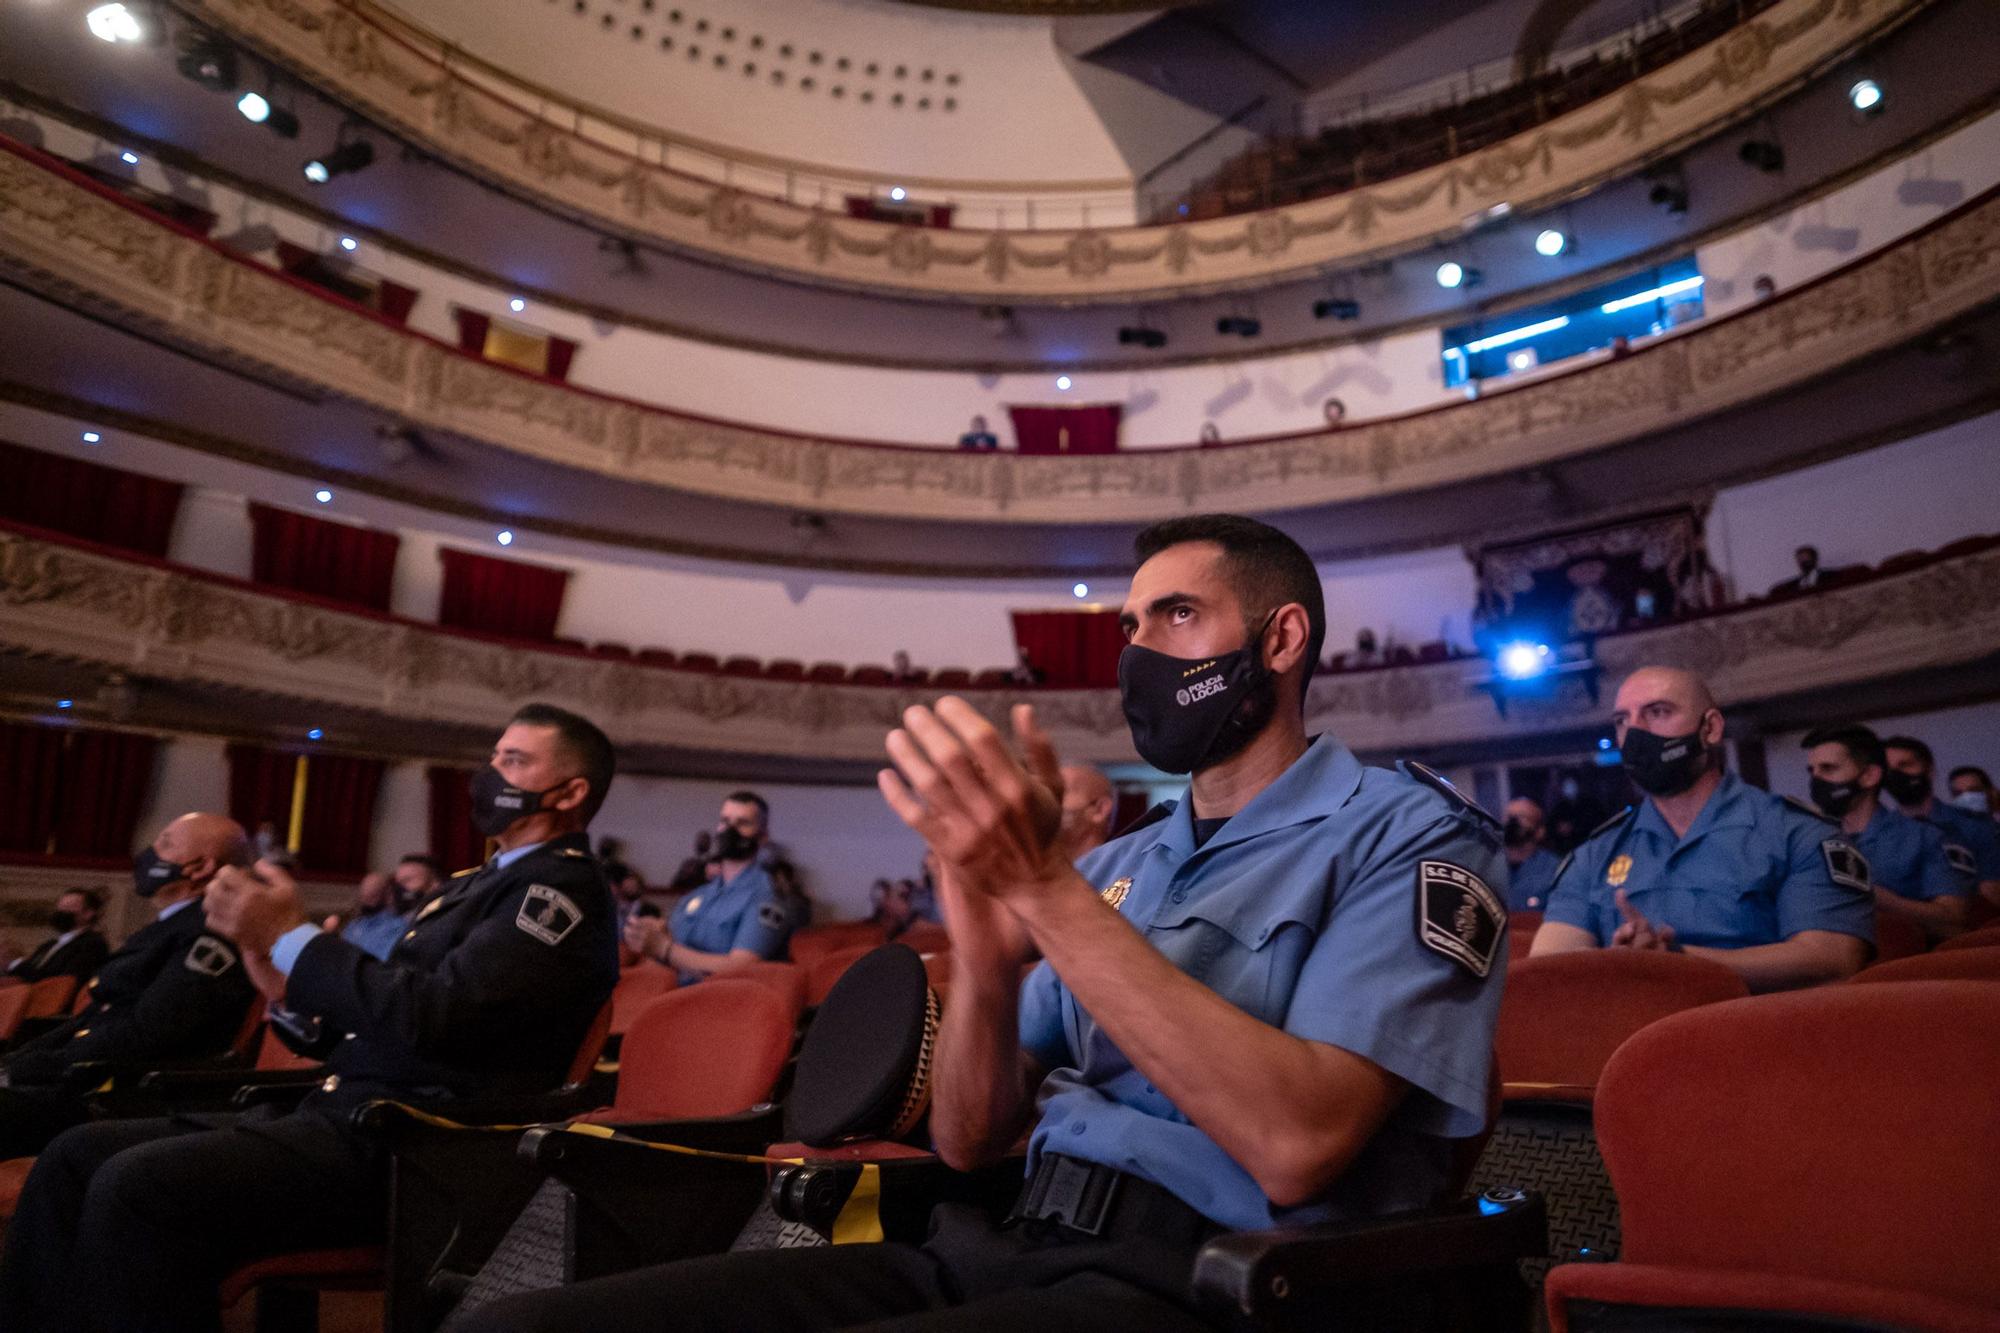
<point x="210" y="956"/>
<point x="1607" y="825"/>
<point x="1437" y="782"/>
<point x="1846" y="866"/>
<point x="771" y="916"/>
<point x="1961" y="858"/>
<point x="1458" y="916"/>
<point x="1812" y="811"/>
<point x="548" y="914"/>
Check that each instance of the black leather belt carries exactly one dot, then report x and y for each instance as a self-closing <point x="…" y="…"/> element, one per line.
<point x="1091" y="1199"/>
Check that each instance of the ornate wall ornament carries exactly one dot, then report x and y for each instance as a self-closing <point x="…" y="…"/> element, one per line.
<point x="59" y="235"/>
<point x="64" y="601"/>
<point x="527" y="140"/>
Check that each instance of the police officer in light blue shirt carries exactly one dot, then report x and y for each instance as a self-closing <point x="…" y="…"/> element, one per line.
<point x="1531" y="866"/>
<point x="1912" y="872"/>
<point x="1274" y="1000"/>
<point x="1708" y="864"/>
<point x="1971" y="840"/>
<point x="376" y="925"/>
<point x="738" y="916"/>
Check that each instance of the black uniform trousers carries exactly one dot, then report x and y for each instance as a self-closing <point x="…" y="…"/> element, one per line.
<point x="30" y="1117"/>
<point x="131" y="1225"/>
<point x="968" y="1277"/>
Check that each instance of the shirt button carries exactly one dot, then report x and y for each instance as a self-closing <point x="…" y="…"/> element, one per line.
<point x="1076" y="1127"/>
<point x="1180" y="895"/>
<point x="330" y="1083"/>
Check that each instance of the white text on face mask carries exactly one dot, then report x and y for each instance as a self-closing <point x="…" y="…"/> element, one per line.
<point x="1200" y="690"/>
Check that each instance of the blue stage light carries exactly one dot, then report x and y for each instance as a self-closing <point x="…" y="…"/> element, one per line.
<point x="1523" y="660"/>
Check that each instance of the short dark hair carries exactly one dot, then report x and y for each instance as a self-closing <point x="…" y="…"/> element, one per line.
<point x="425" y="860"/>
<point x="1863" y="746"/>
<point x="1914" y="746"/>
<point x="586" y="743"/>
<point x="1973" y="770"/>
<point x="752" y="798"/>
<point x="1266" y="568"/>
<point x="89" y="895"/>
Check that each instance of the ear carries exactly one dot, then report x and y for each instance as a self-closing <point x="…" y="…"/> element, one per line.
<point x="578" y="790"/>
<point x="200" y="869"/>
<point x="1711" y="735"/>
<point x="1286" y="639"/>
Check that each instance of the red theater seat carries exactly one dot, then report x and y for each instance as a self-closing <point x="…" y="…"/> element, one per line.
<point x="1897" y="937"/>
<point x="871" y="675"/>
<point x="712" y="1049"/>
<point x="952" y="678"/>
<point x="1985" y="938"/>
<point x="816" y="942"/>
<point x="660" y="657"/>
<point x="638" y="987"/>
<point x="993" y="678"/>
<point x="1940" y="965"/>
<point x="827" y="673"/>
<point x="700" y="662"/>
<point x="612" y="650"/>
<point x="786" y="668"/>
<point x="785" y="980"/>
<point x="742" y="666"/>
<point x="1826" y="1156"/>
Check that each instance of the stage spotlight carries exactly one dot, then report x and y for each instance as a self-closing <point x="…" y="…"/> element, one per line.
<point x="129" y="158"/>
<point x="1551" y="242"/>
<point x="115" y="23"/>
<point x="1866" y="95"/>
<point x="91" y="437"/>
<point x="257" y="109"/>
<point x="1080" y="591"/>
<point x="1763" y="155"/>
<point x="1451" y="275"/>
<point x="352" y="156"/>
<point x="323" y="495"/>
<point x="505" y="537"/>
<point x="1336" y="307"/>
<point x="1240" y="325"/>
<point x="517" y="305"/>
<point x="210" y="63"/>
<point x="316" y="734"/>
<point x="1523" y="660"/>
<point x="1138" y="335"/>
<point x="1063" y="382"/>
<point x="349" y="244"/>
<point x="899" y="194"/>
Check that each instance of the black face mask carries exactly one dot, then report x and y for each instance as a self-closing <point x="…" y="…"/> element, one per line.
<point x="497" y="803"/>
<point x="151" y="872"/>
<point x="1906" y="788"/>
<point x="1836" y="798"/>
<point x="61" y="922"/>
<point x="1663" y="765"/>
<point x="1189" y="713"/>
<point x="1516" y="834"/>
<point x="732" y="844"/>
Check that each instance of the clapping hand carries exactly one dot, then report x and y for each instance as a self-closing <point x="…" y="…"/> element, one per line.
<point x="1636" y="932"/>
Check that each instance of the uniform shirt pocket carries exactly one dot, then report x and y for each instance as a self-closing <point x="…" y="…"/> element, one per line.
<point x="1245" y="944"/>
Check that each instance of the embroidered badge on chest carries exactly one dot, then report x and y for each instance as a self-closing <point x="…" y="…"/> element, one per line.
<point x="210" y="957"/>
<point x="547" y="914"/>
<point x="1618" y="871"/>
<point x="692" y="905"/>
<point x="1846" y="866"/>
<point x="1458" y="916"/>
<point x="1114" y="892"/>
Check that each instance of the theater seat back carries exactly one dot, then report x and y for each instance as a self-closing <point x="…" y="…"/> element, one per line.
<point x="1986" y="938"/>
<point x="1563" y="1015"/>
<point x="49" y="997"/>
<point x="638" y="987"/>
<point x="13" y="1008"/>
<point x="1951" y="965"/>
<point x="711" y="1049"/>
<point x="1897" y="937"/>
<point x="1846" y="1132"/>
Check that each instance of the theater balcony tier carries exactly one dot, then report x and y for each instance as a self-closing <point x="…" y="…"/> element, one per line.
<point x="1875" y="347"/>
<point x="1923" y="626"/>
<point x="581" y="161"/>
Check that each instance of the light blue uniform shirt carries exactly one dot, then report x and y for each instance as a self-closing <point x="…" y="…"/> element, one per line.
<point x="1971" y="841"/>
<point x="1753" y="869"/>
<point x="1908" y="856"/>
<point x="1334" y="906"/>
<point x="1529" y="888"/>
<point x="376" y="934"/>
<point x="740" y="913"/>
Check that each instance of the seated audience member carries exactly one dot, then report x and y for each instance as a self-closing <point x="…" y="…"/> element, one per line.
<point x="1087" y="807"/>
<point x="1708" y="864"/>
<point x="417" y="881"/>
<point x="1912" y="872"/>
<point x="698" y="869"/>
<point x="742" y="914"/>
<point x="900" y="669"/>
<point x="1811" y="574"/>
<point x="977" y="436"/>
<point x="628" y="892"/>
<point x="1971" y="841"/>
<point x="1314" y="1058"/>
<point x="1025" y="672"/>
<point x="1972" y="789"/>
<point x="1531" y="866"/>
<point x="131" y="1224"/>
<point x="891" y="906"/>
<point x="171" y="993"/>
<point x="375" y="924"/>
<point x="1366" y="652"/>
<point x="77" y="949"/>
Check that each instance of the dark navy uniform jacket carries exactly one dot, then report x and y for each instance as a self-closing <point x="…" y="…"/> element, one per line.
<point x="1529" y="882"/>
<point x="171" y="993"/>
<point x="488" y="993"/>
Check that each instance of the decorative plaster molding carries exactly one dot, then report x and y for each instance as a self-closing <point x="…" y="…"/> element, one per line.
<point x="364" y="57"/>
<point x="158" y="622"/>
<point x="69" y="238"/>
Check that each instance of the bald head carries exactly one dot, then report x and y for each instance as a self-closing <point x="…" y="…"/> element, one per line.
<point x="200" y="843"/>
<point x="1087" y="807"/>
<point x="1669" y="702"/>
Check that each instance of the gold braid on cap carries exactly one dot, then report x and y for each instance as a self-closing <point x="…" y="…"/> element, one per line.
<point x="917" y="1099"/>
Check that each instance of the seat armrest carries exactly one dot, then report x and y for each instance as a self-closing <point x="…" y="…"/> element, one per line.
<point x="1269" y="1274"/>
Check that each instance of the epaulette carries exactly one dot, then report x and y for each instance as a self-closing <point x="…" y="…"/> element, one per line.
<point x="1812" y="810"/>
<point x="576" y="853"/>
<point x="1438" y="783"/>
<point x="1151" y="817"/>
<point x="469" y="870"/>
<point x="1610" y="823"/>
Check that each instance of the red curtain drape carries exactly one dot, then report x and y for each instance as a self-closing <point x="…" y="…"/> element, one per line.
<point x="335" y="560"/>
<point x="31" y="759"/>
<point x="562" y="351"/>
<point x="500" y="596"/>
<point x="88" y="500"/>
<point x="1072" y="647"/>
<point x="340" y="803"/>
<point x="107" y="776"/>
<point x="455" y="844"/>
<point x="1067" y="430"/>
<point x="472" y="330"/>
